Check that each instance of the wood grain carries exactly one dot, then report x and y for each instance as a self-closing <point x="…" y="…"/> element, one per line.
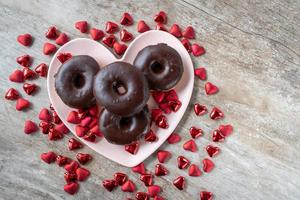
<point x="253" y="55"/>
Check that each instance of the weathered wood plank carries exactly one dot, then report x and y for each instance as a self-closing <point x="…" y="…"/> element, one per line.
<point x="253" y="50"/>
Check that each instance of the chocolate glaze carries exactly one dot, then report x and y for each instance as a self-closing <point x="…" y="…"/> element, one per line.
<point x="121" y="88"/>
<point x="161" y="64"/>
<point x="74" y="81"/>
<point x="124" y="130"/>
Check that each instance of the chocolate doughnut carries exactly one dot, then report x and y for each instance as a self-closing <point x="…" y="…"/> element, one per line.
<point x="124" y="130"/>
<point x="161" y="64"/>
<point x="74" y="81"/>
<point x="121" y="88"/>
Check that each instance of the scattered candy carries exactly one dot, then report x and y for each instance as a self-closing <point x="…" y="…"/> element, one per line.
<point x="179" y="183"/>
<point x="24" y="60"/>
<point x="42" y="69"/>
<point x="62" y="128"/>
<point x="54" y="134"/>
<point x="189" y="32"/>
<point x="63" y="57"/>
<point x="176" y="31"/>
<point x="147" y="179"/>
<point x="109" y="185"/>
<point x="226" y="130"/>
<point x="119" y="48"/>
<point x="200" y="73"/>
<point x="197" y="50"/>
<point x="29" y="88"/>
<point x="161" y="17"/>
<point x="132" y="148"/>
<point x="171" y="95"/>
<point x="82" y="174"/>
<point x="71" y="188"/>
<point x="150" y="136"/>
<point x="74" y="144"/>
<point x="126" y="19"/>
<point x="190" y="146"/>
<point x="200" y="109"/>
<point x="51" y="33"/>
<point x="125" y="36"/>
<point x="174" y="138"/>
<point x="208" y="165"/>
<point x="45" y="115"/>
<point x="210" y="88"/>
<point x="45" y="127"/>
<point x="161" y="27"/>
<point x="140" y="168"/>
<point x="141" y="196"/>
<point x="216" y="114"/>
<point x="73" y="117"/>
<point x="187" y="45"/>
<point x="195" y="132"/>
<point x="154" y="190"/>
<point x="212" y="151"/>
<point x="111" y="27"/>
<point x="163" y="156"/>
<point x="82" y="26"/>
<point x="81" y="131"/>
<point x="17" y="76"/>
<point x="22" y="104"/>
<point x="93" y="111"/>
<point x="162" y="122"/>
<point x="155" y="113"/>
<point x="85" y="121"/>
<point x="12" y="94"/>
<point x="194" y="170"/>
<point x="142" y="27"/>
<point x="158" y="198"/>
<point x="217" y="136"/>
<point x="160" y="170"/>
<point x="25" y="39"/>
<point x="128" y="186"/>
<point x="91" y="137"/>
<point x="62" y="39"/>
<point x="30" y="127"/>
<point x="175" y="105"/>
<point x="83" y="158"/>
<point x="158" y="96"/>
<point x="120" y="178"/>
<point x="48" y="157"/>
<point x="96" y="34"/>
<point x="205" y="195"/>
<point x="28" y="73"/>
<point x="70" y="177"/>
<point x="61" y="160"/>
<point x="55" y="118"/>
<point x="95" y="130"/>
<point x="182" y="162"/>
<point x="72" y="166"/>
<point x="49" y="48"/>
<point x="165" y="107"/>
<point x="109" y="40"/>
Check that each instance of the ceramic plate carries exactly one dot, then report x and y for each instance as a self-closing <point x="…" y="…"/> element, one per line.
<point x="103" y="56"/>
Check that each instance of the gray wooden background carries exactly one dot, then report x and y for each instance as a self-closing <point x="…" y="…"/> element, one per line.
<point x="253" y="55"/>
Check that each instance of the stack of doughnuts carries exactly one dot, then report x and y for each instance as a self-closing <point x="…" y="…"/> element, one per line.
<point x="122" y="89"/>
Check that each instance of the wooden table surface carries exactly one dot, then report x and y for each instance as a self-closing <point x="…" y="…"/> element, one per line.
<point x="253" y="55"/>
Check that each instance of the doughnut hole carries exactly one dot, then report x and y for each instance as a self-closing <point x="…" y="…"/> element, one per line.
<point x="157" y="67"/>
<point x="119" y="88"/>
<point x="78" y="80"/>
<point x="125" y="123"/>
